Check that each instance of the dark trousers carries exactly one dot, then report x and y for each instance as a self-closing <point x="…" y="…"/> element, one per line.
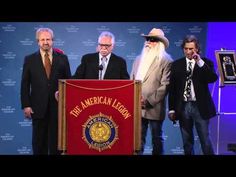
<point x="156" y="134"/>
<point x="190" y="117"/>
<point x="45" y="132"/>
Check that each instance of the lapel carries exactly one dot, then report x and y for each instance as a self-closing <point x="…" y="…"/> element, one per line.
<point x="54" y="63"/>
<point x="93" y="62"/>
<point x="110" y="65"/>
<point x="195" y="69"/>
<point x="182" y="72"/>
<point x="96" y="63"/>
<point x="40" y="65"/>
<point x="183" y="66"/>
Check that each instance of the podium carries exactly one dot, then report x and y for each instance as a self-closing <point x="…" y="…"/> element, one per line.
<point x="99" y="117"/>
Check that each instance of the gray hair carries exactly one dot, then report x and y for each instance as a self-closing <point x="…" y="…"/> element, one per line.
<point x="107" y="34"/>
<point x="43" y="30"/>
<point x="191" y="38"/>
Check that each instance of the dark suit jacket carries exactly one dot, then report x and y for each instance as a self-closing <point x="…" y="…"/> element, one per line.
<point x="88" y="69"/>
<point x="201" y="78"/>
<point x="36" y="89"/>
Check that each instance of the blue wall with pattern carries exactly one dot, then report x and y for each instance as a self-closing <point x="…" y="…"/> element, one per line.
<point x="17" y="39"/>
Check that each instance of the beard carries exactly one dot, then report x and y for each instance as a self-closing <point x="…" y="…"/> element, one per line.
<point x="149" y="52"/>
<point x="46" y="47"/>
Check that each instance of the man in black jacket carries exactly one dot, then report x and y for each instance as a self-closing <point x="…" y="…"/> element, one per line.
<point x="41" y="72"/>
<point x="190" y="101"/>
<point x="103" y="64"/>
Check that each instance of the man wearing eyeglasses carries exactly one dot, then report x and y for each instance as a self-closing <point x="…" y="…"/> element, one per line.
<point x="39" y="82"/>
<point x="103" y="64"/>
<point x="152" y="67"/>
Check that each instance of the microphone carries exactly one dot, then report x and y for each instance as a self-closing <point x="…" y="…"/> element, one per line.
<point x="100" y="67"/>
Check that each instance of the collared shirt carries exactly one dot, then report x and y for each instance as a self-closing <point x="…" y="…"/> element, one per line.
<point x="105" y="63"/>
<point x="200" y="63"/>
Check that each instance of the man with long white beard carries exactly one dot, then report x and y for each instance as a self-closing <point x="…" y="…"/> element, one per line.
<point x="152" y="67"/>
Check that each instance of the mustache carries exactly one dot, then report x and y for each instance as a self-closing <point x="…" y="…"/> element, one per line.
<point x="147" y="45"/>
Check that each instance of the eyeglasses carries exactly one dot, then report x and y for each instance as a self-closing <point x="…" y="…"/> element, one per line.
<point x="152" y="39"/>
<point x="105" y="45"/>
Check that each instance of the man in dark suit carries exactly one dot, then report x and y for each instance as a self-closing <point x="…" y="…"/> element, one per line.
<point x="41" y="72"/>
<point x="190" y="101"/>
<point x="104" y="64"/>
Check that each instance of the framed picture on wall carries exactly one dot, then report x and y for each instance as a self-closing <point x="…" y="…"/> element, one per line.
<point x="227" y="66"/>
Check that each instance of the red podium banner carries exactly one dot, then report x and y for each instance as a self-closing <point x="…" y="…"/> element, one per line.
<point x="99" y="117"/>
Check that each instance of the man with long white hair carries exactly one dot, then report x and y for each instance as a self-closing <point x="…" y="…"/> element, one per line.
<point x="152" y="68"/>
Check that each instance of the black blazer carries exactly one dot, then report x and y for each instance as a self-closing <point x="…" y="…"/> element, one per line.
<point x="88" y="69"/>
<point x="201" y="78"/>
<point x="36" y="89"/>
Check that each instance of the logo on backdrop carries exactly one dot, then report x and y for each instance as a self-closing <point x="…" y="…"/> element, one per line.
<point x="9" y="55"/>
<point x="59" y="42"/>
<point x="23" y="150"/>
<point x="120" y="43"/>
<point x="9" y="28"/>
<point x="72" y="29"/>
<point x="100" y="132"/>
<point x="89" y="43"/>
<point x="8" y="109"/>
<point x="7" y="137"/>
<point x="8" y="82"/>
<point x="195" y="29"/>
<point x="27" y="41"/>
<point x="134" y="30"/>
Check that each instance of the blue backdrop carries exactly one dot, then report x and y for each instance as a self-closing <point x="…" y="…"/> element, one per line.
<point x="17" y="39"/>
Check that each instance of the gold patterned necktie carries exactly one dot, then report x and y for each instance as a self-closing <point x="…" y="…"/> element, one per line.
<point x="47" y="64"/>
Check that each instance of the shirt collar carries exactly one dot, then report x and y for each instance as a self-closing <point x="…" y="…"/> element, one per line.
<point x="107" y="57"/>
<point x="192" y="61"/>
<point x="43" y="52"/>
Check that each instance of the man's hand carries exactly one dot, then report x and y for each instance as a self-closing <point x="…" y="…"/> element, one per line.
<point x="172" y="117"/>
<point x="143" y="105"/>
<point x="27" y="112"/>
<point x="196" y="57"/>
<point x="57" y="95"/>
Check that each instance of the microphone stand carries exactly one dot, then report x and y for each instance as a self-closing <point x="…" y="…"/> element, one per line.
<point x="100" y="67"/>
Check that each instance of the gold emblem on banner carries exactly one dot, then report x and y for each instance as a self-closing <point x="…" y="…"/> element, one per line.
<point x="100" y="132"/>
